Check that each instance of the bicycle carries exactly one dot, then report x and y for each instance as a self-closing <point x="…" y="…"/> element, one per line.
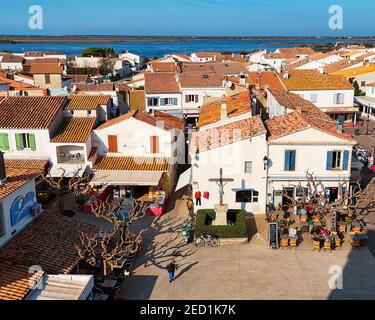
<point x="208" y="240"/>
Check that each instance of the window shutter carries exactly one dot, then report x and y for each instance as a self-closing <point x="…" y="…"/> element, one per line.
<point x="174" y="101"/>
<point x="329" y="160"/>
<point x="18" y="142"/>
<point x="196" y="98"/>
<point x="1" y="141"/>
<point x="335" y="98"/>
<point x="4" y="144"/>
<point x="345" y="163"/>
<point x="162" y="102"/>
<point x="32" y="142"/>
<point x="292" y="166"/>
<point x="287" y="161"/>
<point x="186" y="98"/>
<point x="342" y="97"/>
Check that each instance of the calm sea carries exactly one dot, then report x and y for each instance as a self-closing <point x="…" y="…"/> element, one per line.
<point x="159" y="49"/>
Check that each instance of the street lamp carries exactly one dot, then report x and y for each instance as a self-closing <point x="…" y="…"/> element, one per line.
<point x="265" y="162"/>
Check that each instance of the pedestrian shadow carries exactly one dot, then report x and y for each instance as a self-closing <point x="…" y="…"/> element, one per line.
<point x="186" y="269"/>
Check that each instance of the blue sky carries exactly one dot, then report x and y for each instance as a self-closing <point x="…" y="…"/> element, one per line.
<point x="189" y="17"/>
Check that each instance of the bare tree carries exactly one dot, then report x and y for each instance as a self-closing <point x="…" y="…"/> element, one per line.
<point x="64" y="185"/>
<point x="116" y="248"/>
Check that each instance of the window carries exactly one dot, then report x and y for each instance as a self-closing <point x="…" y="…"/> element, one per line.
<point x="248" y="166"/>
<point x="314" y="98"/>
<point x="72" y="112"/>
<point x="337" y="160"/>
<point x="191" y="98"/>
<point x="290" y="160"/>
<point x="4" y="141"/>
<point x="363" y="83"/>
<point x="247" y="196"/>
<point x="168" y="101"/>
<point x="112" y="144"/>
<point x="152" y="102"/>
<point x="154" y="144"/>
<point x="25" y="141"/>
<point x="47" y="78"/>
<point x="89" y="112"/>
<point x="338" y="98"/>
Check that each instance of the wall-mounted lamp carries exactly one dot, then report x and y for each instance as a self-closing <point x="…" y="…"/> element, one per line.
<point x="265" y="162"/>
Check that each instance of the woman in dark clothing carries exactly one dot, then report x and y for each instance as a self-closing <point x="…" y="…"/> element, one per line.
<point x="171" y="268"/>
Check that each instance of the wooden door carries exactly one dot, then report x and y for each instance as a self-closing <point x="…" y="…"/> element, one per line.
<point x="154" y="144"/>
<point x="112" y="144"/>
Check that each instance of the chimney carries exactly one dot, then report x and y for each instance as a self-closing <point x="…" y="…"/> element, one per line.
<point x="3" y="175"/>
<point x="286" y="75"/>
<point x="223" y="110"/>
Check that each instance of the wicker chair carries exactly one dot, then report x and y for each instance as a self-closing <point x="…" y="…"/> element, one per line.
<point x="337" y="242"/>
<point x="316" y="245"/>
<point x="293" y="243"/>
<point x="284" y="243"/>
<point x="327" y="246"/>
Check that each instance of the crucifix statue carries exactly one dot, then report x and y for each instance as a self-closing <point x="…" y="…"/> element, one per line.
<point x="221" y="182"/>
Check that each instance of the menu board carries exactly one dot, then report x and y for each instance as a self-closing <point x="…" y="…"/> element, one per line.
<point x="273" y="235"/>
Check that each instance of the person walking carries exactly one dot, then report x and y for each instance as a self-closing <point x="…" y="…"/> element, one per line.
<point x="171" y="268"/>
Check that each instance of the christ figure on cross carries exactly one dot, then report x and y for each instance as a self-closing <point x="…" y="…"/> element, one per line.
<point x="221" y="182"/>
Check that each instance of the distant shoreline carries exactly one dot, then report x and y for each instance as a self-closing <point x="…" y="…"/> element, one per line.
<point x="113" y="39"/>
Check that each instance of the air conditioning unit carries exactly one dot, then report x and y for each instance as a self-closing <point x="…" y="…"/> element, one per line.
<point x="36" y="210"/>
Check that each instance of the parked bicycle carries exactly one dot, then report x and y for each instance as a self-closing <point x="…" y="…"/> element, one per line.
<point x="208" y="240"/>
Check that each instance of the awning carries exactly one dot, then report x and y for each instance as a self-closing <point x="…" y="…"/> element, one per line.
<point x="184" y="179"/>
<point x="366" y="101"/>
<point x="129" y="178"/>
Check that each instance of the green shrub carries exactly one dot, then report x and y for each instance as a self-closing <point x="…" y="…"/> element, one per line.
<point x="238" y="230"/>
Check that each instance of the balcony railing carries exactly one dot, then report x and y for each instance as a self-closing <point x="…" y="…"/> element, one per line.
<point x="70" y="158"/>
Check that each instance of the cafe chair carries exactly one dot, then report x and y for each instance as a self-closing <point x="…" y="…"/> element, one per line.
<point x="327" y="246"/>
<point x="304" y="218"/>
<point x="293" y="243"/>
<point x="356" y="229"/>
<point x="284" y="243"/>
<point x="342" y="228"/>
<point x="316" y="245"/>
<point x="337" y="242"/>
<point x="356" y="243"/>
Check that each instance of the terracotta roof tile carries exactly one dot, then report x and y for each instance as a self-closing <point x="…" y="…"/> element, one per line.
<point x="79" y="78"/>
<point x="49" y="241"/>
<point x="208" y="54"/>
<point x="194" y="67"/>
<point x="9" y="58"/>
<point x="263" y="79"/>
<point x="29" y="112"/>
<point x="314" y="80"/>
<point x="201" y="80"/>
<point x="163" y="66"/>
<point x="170" y="122"/>
<point x="295" y="102"/>
<point x="74" y="130"/>
<point x="236" y="105"/>
<point x="19" y="173"/>
<point x="204" y="140"/>
<point x="356" y="71"/>
<point x="87" y="102"/>
<point x="109" y="163"/>
<point x="105" y="86"/>
<point x="293" y="122"/>
<point x="46" y="68"/>
<point x="161" y="83"/>
<point x="340" y="65"/>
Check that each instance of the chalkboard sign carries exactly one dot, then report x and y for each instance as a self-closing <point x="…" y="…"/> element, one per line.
<point x="273" y="235"/>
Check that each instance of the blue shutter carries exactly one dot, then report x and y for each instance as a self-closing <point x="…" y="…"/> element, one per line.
<point x="329" y="160"/>
<point x="175" y="101"/>
<point x="287" y="161"/>
<point x="162" y="102"/>
<point x="345" y="162"/>
<point x="292" y="166"/>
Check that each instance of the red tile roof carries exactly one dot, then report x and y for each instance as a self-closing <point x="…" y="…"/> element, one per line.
<point x="29" y="112"/>
<point x="49" y="242"/>
<point x="9" y="58"/>
<point x="163" y="66"/>
<point x="109" y="163"/>
<point x="294" y="122"/>
<point x="236" y="105"/>
<point x="314" y="80"/>
<point x="46" y="68"/>
<point x="161" y="83"/>
<point x="170" y="122"/>
<point x="263" y="79"/>
<point x="204" y="140"/>
<point x="201" y="80"/>
<point x="340" y="65"/>
<point x="74" y="130"/>
<point x="208" y="54"/>
<point x="87" y="102"/>
<point x="105" y="86"/>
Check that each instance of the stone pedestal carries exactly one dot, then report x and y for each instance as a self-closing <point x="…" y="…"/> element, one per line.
<point x="221" y="215"/>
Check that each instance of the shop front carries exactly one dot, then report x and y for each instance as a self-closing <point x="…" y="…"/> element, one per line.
<point x="142" y="186"/>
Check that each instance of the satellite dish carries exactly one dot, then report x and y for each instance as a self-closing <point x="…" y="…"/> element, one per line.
<point x="229" y="84"/>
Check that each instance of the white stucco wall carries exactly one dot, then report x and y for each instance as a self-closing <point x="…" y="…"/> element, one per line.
<point x="232" y="159"/>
